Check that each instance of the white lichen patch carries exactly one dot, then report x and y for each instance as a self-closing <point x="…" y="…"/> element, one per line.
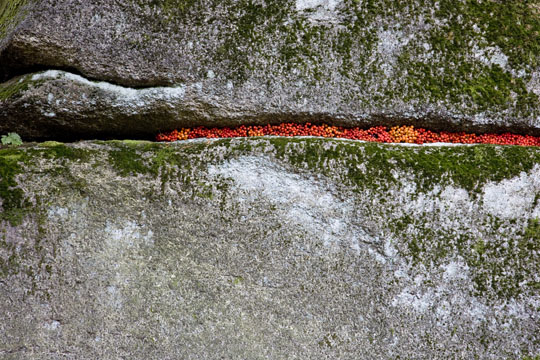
<point x="536" y="213"/>
<point x="418" y="301"/>
<point x="127" y="236"/>
<point x="112" y="297"/>
<point x="452" y="294"/>
<point x="512" y="198"/>
<point x="123" y="95"/>
<point x="318" y="10"/>
<point x="491" y="55"/>
<point x="534" y="84"/>
<point x="302" y="5"/>
<point x="456" y="199"/>
<point x="390" y="42"/>
<point x="389" y="46"/>
<point x="52" y="325"/>
<point x="304" y="202"/>
<point x="57" y="212"/>
<point x="122" y="244"/>
<point x="455" y="270"/>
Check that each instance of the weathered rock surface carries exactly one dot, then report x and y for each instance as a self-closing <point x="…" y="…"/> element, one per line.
<point x="468" y="65"/>
<point x="269" y="248"/>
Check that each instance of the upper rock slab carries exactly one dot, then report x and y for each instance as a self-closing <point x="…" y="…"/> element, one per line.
<point x="435" y="64"/>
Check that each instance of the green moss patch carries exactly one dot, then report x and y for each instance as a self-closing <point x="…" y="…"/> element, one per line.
<point x="468" y="167"/>
<point x="498" y="266"/>
<point x="453" y="75"/>
<point x="513" y="26"/>
<point x="14" y="204"/>
<point x="10" y="14"/>
<point x="15" y="87"/>
<point x="54" y="150"/>
<point x="14" y="162"/>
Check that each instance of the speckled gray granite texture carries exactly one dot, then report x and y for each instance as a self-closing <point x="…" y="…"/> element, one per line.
<point x="453" y="65"/>
<point x="269" y="249"/>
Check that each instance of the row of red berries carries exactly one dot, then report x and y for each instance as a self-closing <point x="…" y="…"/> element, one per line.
<point x="396" y="134"/>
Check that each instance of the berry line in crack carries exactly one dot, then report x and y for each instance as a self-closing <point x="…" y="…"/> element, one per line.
<point x="382" y="134"/>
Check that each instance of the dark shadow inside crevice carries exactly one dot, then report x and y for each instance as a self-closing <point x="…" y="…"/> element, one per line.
<point x="61" y="135"/>
<point x="58" y="133"/>
<point x="9" y="72"/>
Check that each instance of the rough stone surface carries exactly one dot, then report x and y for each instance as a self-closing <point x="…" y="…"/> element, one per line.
<point x="269" y="248"/>
<point x="467" y="65"/>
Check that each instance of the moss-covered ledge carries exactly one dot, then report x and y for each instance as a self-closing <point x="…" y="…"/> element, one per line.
<point x="129" y="248"/>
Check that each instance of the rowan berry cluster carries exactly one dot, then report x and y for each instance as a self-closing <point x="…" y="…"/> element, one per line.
<point x="174" y="135"/>
<point x="396" y="134"/>
<point x="405" y="134"/>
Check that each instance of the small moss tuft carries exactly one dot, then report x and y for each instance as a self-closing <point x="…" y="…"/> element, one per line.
<point x="532" y="232"/>
<point x="50" y="143"/>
